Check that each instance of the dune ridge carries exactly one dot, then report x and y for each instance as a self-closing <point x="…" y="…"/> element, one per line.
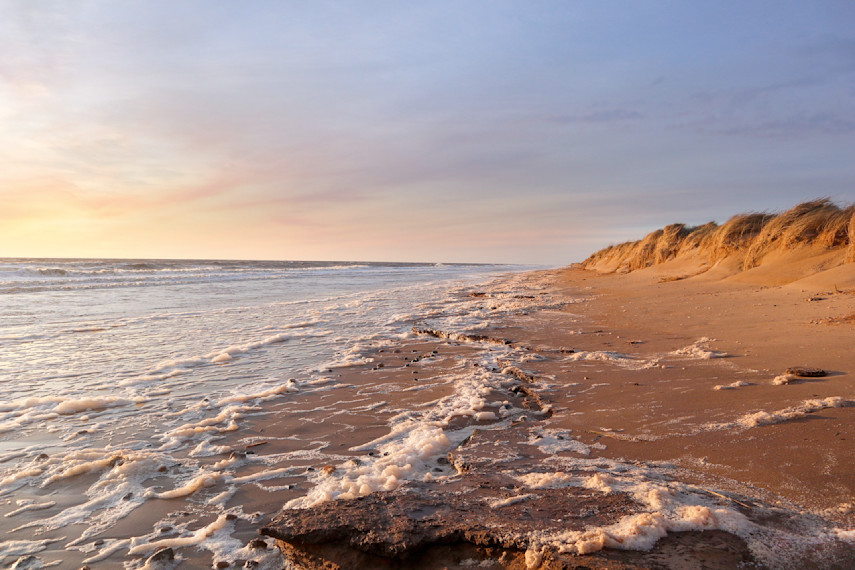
<point x="743" y="242"/>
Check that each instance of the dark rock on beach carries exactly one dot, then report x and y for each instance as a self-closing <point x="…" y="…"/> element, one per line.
<point x="806" y="372"/>
<point x="415" y="527"/>
<point x="484" y="517"/>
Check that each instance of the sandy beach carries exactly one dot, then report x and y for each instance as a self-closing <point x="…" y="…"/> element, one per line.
<point x="679" y="418"/>
<point x="699" y="412"/>
<point x="427" y="285"/>
<point x="654" y="407"/>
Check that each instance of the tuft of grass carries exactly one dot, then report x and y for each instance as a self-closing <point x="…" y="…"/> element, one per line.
<point x="850" y="253"/>
<point x="801" y="225"/>
<point x="735" y="235"/>
<point x="837" y="229"/>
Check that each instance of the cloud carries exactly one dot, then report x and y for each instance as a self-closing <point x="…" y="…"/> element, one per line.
<point x="817" y="124"/>
<point x="601" y="116"/>
<point x="384" y="128"/>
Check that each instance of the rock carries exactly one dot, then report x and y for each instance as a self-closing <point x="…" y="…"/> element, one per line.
<point x="460" y="337"/>
<point x="397" y="529"/>
<point x="162" y="555"/>
<point x="258" y="544"/>
<point x="483" y="517"/>
<point x="806" y="372"/>
<point x="518" y="374"/>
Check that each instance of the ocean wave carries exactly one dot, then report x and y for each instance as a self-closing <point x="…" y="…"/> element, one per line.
<point x="37" y="276"/>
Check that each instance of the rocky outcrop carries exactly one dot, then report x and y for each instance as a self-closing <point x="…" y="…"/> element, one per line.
<point x="484" y="517"/>
<point x="459" y="337"/>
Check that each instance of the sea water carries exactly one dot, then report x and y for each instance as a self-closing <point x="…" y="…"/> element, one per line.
<point x="123" y="381"/>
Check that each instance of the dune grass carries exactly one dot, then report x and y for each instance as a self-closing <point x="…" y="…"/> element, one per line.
<point x="747" y="237"/>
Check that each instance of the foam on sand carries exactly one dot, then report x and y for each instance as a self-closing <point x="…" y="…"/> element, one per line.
<point x="199" y="482"/>
<point x="700" y="349"/>
<point x="763" y="418"/>
<point x="27" y="505"/>
<point x="784" y="379"/>
<point x="216" y="538"/>
<point x="399" y="460"/>
<point x="170" y="366"/>
<point x="415" y="441"/>
<point x="226" y="354"/>
<point x="664" y="506"/>
<point x="617" y="358"/>
<point x="731" y="386"/>
<point x="353" y="356"/>
<point x="79" y="467"/>
<point x="498" y="503"/>
<point x="224" y="421"/>
<point x="554" y="480"/>
<point x="18" y="479"/>
<point x="120" y="489"/>
<point x="551" y="442"/>
<point x="668" y="507"/>
<point x="195" y="538"/>
<point x="25" y="547"/>
<point x="18" y="413"/>
<point x="265" y="394"/>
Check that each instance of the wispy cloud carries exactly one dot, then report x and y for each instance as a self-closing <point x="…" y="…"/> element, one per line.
<point x="385" y="130"/>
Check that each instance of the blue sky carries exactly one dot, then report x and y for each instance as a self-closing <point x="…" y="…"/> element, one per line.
<point x="528" y="132"/>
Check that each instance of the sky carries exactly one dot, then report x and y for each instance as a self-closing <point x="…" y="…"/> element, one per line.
<point x="528" y="132"/>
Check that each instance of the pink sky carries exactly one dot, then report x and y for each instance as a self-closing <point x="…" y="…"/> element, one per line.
<point x="484" y="132"/>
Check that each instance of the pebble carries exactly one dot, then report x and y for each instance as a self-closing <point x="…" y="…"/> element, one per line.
<point x="258" y="544"/>
<point x="162" y="555"/>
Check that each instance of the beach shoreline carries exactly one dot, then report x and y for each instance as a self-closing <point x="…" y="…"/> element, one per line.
<point x="673" y="376"/>
<point x="546" y="419"/>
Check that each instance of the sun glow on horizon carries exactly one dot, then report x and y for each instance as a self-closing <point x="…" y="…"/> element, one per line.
<point x="436" y="132"/>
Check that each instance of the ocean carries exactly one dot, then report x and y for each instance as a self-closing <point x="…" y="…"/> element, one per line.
<point x="131" y="392"/>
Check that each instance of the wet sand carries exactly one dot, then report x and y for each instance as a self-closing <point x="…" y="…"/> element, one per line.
<point x="589" y="432"/>
<point x="675" y="376"/>
<point x="762" y="331"/>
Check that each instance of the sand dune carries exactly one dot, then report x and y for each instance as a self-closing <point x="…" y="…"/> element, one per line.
<point x="627" y="418"/>
<point x="812" y="238"/>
